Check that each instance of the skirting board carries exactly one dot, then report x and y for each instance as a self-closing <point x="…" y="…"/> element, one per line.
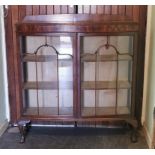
<point x="3" y="127"/>
<point x="148" y="137"/>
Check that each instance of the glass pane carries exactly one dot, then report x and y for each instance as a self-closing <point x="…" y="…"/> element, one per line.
<point x="41" y="102"/>
<point x="101" y="102"/>
<point x="124" y="88"/>
<point x="48" y="76"/>
<point x="106" y="75"/>
<point x="124" y="101"/>
<point x="91" y="43"/>
<point x="88" y="103"/>
<point x="124" y="44"/>
<point x="65" y="86"/>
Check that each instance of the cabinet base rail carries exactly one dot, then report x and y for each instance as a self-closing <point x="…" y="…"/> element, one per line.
<point x="24" y="126"/>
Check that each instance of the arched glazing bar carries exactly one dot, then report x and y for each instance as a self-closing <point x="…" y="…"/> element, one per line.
<point x="105" y="47"/>
<point x="106" y="53"/>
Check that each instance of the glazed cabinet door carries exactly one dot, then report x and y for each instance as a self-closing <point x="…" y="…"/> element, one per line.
<point x="47" y="75"/>
<point x="107" y="64"/>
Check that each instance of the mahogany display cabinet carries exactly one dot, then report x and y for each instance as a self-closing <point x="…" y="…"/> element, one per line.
<point x="75" y="68"/>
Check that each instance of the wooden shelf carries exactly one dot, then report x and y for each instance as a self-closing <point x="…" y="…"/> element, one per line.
<point x="92" y="85"/>
<point x="48" y="85"/>
<point x="90" y="111"/>
<point x="44" y="58"/>
<point x="93" y="58"/>
<point x="49" y="111"/>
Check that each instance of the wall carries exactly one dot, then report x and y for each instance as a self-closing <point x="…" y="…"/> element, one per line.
<point x="4" y="110"/>
<point x="149" y="76"/>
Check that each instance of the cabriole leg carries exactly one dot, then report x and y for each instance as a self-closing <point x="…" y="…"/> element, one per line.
<point x="134" y="135"/>
<point x="23" y="126"/>
<point x="134" y="132"/>
<point x="75" y="124"/>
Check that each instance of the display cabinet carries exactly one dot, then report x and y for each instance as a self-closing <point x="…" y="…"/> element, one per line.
<point x="76" y="76"/>
<point x="82" y="66"/>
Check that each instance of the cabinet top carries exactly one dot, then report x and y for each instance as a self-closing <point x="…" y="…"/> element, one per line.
<point x="76" y="23"/>
<point x="76" y="18"/>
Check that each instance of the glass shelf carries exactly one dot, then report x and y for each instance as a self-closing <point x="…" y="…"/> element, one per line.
<point x="91" y="85"/>
<point x="49" y="111"/>
<point x="93" y="58"/>
<point x="98" y="111"/>
<point x="45" y="58"/>
<point x="48" y="85"/>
